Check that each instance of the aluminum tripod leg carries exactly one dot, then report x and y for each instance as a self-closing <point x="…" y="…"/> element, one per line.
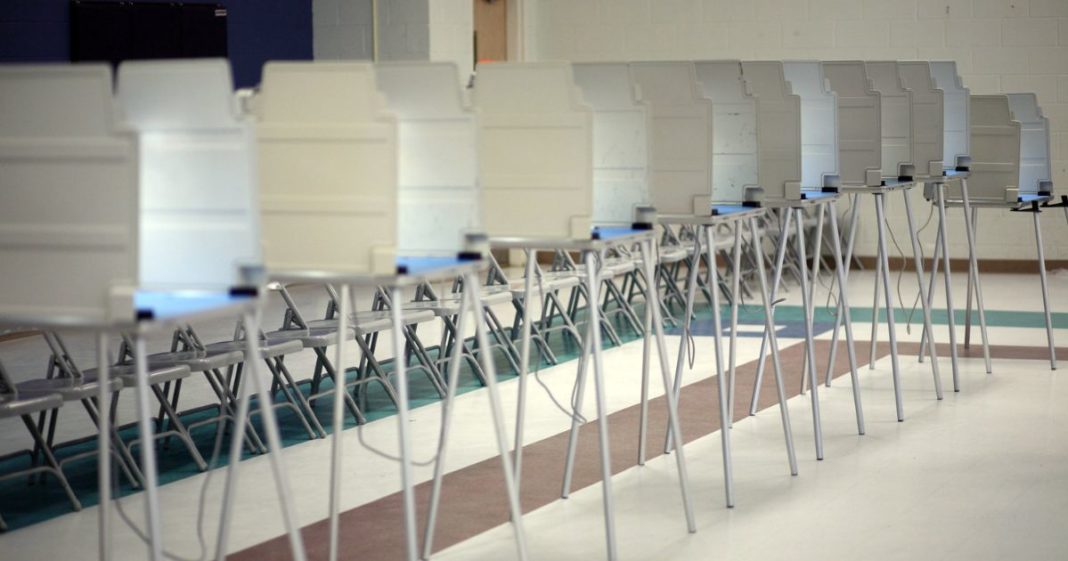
<point x="873" y="349"/>
<point x="736" y="296"/>
<point x="943" y="230"/>
<point x="848" y="264"/>
<point x="339" y="413"/>
<point x="254" y="382"/>
<point x="769" y="327"/>
<point x="524" y="366"/>
<point x="810" y="362"/>
<point x="670" y="398"/>
<point x="974" y="218"/>
<point x="104" y="445"/>
<point x="647" y="337"/>
<point x="721" y="385"/>
<point x="684" y="340"/>
<point x="148" y="452"/>
<point x="1045" y="290"/>
<point x="843" y="299"/>
<point x="888" y="292"/>
<point x="592" y="279"/>
<point x="924" y="302"/>
<point x="974" y="272"/>
<point x="576" y="416"/>
<point x="471" y="283"/>
<point x="780" y="258"/>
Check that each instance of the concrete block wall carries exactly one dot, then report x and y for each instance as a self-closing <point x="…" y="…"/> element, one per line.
<point x="438" y="30"/>
<point x="999" y="46"/>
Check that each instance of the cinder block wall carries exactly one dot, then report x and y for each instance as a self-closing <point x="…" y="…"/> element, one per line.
<point x="999" y="46"/>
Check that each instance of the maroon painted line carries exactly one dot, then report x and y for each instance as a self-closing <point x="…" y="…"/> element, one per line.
<point x="473" y="498"/>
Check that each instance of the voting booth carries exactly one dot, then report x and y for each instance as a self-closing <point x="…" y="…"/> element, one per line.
<point x="734" y="134"/>
<point x="896" y="122"/>
<point x="1036" y="176"/>
<point x="859" y="123"/>
<point x="327" y="168"/>
<point x="778" y="129"/>
<point x="995" y="150"/>
<point x="819" y="124"/>
<point x="955" y="104"/>
<point x="437" y="183"/>
<point x="535" y="151"/>
<point x="927" y="117"/>
<point x="680" y="162"/>
<point x="620" y="141"/>
<point x="68" y="196"/>
<point x="199" y="218"/>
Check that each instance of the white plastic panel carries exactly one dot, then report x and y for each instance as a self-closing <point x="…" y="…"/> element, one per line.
<point x="819" y="124"/>
<point x="680" y="164"/>
<point x="859" y="122"/>
<point x="955" y="101"/>
<point x="1035" y="170"/>
<point x="896" y="104"/>
<point x="328" y="168"/>
<point x="439" y="199"/>
<point x="197" y="162"/>
<point x="995" y="148"/>
<point x="68" y="194"/>
<point x="535" y="151"/>
<point x="927" y="116"/>
<point x="734" y="134"/>
<point x="778" y="129"/>
<point x="620" y="141"/>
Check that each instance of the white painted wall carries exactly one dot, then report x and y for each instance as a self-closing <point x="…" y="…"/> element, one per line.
<point x="999" y="46"/>
<point x="436" y="30"/>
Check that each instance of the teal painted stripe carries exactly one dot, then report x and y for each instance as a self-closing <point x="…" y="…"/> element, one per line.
<point x="939" y="316"/>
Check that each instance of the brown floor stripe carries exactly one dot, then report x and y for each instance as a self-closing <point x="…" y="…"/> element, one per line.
<point x="375" y="531"/>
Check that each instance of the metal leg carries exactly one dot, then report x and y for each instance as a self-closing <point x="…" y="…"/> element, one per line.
<point x="888" y="292"/>
<point x="643" y="406"/>
<point x="524" y="366"/>
<point x="973" y="216"/>
<point x="843" y="299"/>
<point x="338" y="411"/>
<point x="780" y="256"/>
<point x="723" y="391"/>
<point x="580" y="394"/>
<point x="439" y="465"/>
<point x="684" y="341"/>
<point x="274" y="443"/>
<point x="806" y="296"/>
<point x="1045" y="290"/>
<point x="931" y="289"/>
<point x="924" y="302"/>
<point x="873" y="350"/>
<point x="670" y="398"/>
<point x="848" y="264"/>
<point x="401" y="373"/>
<point x="736" y="296"/>
<point x="769" y="327"/>
<point x="104" y="446"/>
<point x="148" y="452"/>
<point x="973" y="260"/>
<point x="817" y="256"/>
<point x="592" y="279"/>
<point x="510" y="482"/>
<point x="943" y="229"/>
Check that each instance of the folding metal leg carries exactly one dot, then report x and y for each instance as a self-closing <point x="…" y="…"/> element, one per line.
<point x="274" y="444"/>
<point x="806" y="297"/>
<point x="817" y="257"/>
<point x="842" y="287"/>
<point x="1045" y="290"/>
<point x="736" y="294"/>
<point x="103" y="397"/>
<point x="510" y="482"/>
<point x="338" y="411"/>
<point x="524" y="364"/>
<point x="888" y="292"/>
<point x="723" y="391"/>
<point x="687" y="326"/>
<point x="780" y="257"/>
<point x="576" y="417"/>
<point x="973" y="261"/>
<point x="924" y="303"/>
<point x="940" y="245"/>
<point x="873" y="349"/>
<point x="843" y="310"/>
<point x="769" y="328"/>
<point x="148" y="452"/>
<point x="648" y="255"/>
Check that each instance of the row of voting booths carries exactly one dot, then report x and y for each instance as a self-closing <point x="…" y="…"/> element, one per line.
<point x="171" y="199"/>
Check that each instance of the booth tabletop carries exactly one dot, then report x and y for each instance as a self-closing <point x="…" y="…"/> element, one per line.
<point x="889" y="186"/>
<point x="606" y="237"/>
<point x="411" y="270"/>
<point x="811" y="198"/>
<point x="721" y="214"/>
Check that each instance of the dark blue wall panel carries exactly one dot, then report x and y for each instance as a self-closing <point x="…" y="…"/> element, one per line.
<point x="259" y="30"/>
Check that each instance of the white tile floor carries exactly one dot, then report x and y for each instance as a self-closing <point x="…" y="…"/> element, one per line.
<point x="980" y="475"/>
